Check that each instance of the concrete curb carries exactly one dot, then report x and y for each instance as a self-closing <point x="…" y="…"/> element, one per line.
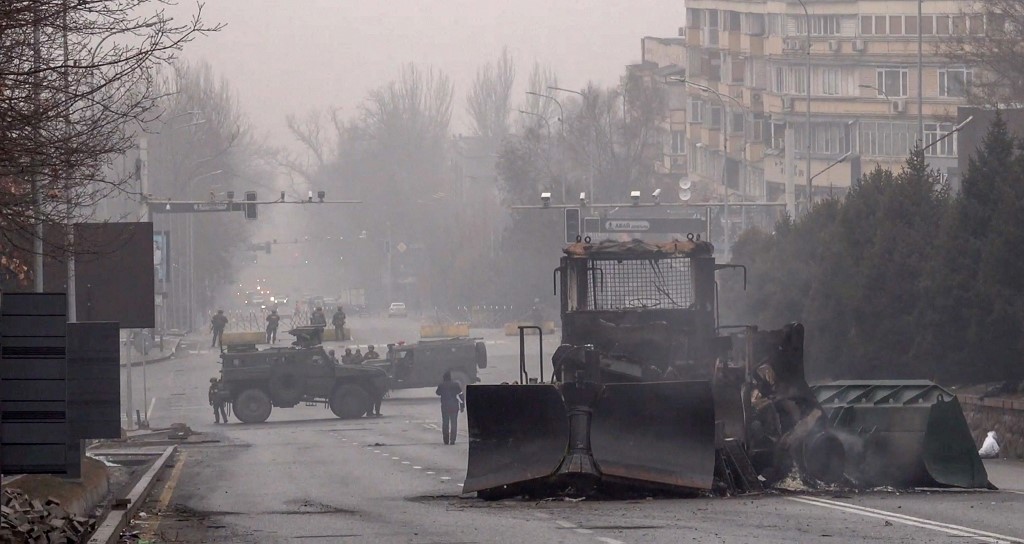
<point x="109" y="530"/>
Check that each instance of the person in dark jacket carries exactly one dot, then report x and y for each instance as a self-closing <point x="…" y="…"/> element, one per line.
<point x="346" y="358"/>
<point x="338" y="321"/>
<point x="272" y="322"/>
<point x="453" y="401"/>
<point x="357" y="357"/>
<point x="217" y="401"/>
<point x="217" y="325"/>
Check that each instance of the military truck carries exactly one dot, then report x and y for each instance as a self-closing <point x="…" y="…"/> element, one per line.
<point x="282" y="377"/>
<point x="424" y="363"/>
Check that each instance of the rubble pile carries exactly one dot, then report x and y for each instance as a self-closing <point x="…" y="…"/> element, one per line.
<point x="31" y="521"/>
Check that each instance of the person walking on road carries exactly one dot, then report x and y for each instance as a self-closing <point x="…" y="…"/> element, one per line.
<point x="218" y="401"/>
<point x="217" y="324"/>
<point x="453" y="401"/>
<point x="272" y="321"/>
<point x="338" y="320"/>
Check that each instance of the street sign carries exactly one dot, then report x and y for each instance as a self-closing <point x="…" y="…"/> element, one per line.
<point x="659" y="225"/>
<point x="195" y="207"/>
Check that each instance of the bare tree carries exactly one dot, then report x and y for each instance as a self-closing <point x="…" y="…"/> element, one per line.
<point x="994" y="47"/>
<point x="74" y="77"/>
<point x="541" y="78"/>
<point x="490" y="98"/>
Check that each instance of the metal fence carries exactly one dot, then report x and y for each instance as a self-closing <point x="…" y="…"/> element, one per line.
<point x="648" y="283"/>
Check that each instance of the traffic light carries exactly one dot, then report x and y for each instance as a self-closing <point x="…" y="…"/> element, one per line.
<point x="572" y="225"/>
<point x="250" y="209"/>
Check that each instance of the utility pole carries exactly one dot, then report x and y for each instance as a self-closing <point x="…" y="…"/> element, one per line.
<point x="920" y="74"/>
<point x="807" y="172"/>
<point x="37" y="196"/>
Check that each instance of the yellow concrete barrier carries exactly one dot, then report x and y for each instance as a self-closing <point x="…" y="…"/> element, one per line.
<point x="243" y="338"/>
<point x="444" y="331"/>
<point x="512" y="329"/>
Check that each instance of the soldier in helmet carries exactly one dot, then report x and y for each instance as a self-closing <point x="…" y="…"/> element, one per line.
<point x="217" y="401"/>
<point x="346" y="358"/>
<point x="371" y="353"/>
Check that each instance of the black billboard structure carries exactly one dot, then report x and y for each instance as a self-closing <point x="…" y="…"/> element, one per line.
<point x="114" y="273"/>
<point x="59" y="384"/>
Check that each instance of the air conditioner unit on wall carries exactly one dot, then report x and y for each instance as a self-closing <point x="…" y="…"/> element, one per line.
<point x="858" y="45"/>
<point x="833" y="46"/>
<point x="899" y="106"/>
<point x="787" y="103"/>
<point x="756" y="99"/>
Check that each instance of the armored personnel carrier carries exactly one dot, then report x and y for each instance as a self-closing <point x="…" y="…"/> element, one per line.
<point x="282" y="377"/>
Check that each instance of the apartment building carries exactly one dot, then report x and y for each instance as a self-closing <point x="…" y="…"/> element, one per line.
<point x="745" y="67"/>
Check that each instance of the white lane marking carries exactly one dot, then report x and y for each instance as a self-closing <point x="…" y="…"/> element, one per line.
<point x="1012" y="491"/>
<point x="386" y="454"/>
<point x="460" y="485"/>
<point x="396" y="458"/>
<point x="429" y="472"/>
<point x="541" y="515"/>
<point x="416" y="467"/>
<point x="564" y="524"/>
<point x="607" y="540"/>
<point x="376" y="451"/>
<point x="149" y="413"/>
<point x="948" y="528"/>
<point x="406" y="463"/>
<point x="584" y="531"/>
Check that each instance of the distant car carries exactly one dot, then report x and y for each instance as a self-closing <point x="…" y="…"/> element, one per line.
<point x="397" y="309"/>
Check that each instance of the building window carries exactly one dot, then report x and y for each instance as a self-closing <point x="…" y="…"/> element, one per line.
<point x="955" y="83"/>
<point x="821" y="25"/>
<point x="830" y="82"/>
<point x="892" y="82"/>
<point x="678" y="142"/>
<point x="910" y="25"/>
<point x="886" y="139"/>
<point x="736" y="123"/>
<point x="715" y="119"/>
<point x="696" y="110"/>
<point x="945" y="148"/>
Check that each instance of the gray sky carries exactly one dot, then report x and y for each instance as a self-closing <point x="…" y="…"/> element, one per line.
<point x="290" y="56"/>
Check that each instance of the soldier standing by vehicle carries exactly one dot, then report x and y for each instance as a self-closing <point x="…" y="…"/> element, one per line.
<point x="272" y="321"/>
<point x="357" y="357"/>
<point x="453" y="401"/>
<point x="217" y="325"/>
<point x="218" y="401"/>
<point x="346" y="358"/>
<point x="338" y="320"/>
<point x="370" y="353"/>
<point x="318" y="319"/>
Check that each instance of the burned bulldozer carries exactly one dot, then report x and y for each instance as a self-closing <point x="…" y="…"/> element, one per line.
<point x="648" y="391"/>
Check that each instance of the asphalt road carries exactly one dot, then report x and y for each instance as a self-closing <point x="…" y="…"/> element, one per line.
<point x="305" y="476"/>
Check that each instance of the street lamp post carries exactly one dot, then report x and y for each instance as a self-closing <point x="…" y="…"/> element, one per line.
<point x="725" y="150"/>
<point x="583" y="98"/>
<point x="920" y="73"/>
<point x="807" y="22"/>
<point x="548" y="125"/>
<point x="561" y="112"/>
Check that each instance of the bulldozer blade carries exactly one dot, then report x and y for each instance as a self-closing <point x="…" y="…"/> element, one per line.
<point x="662" y="433"/>
<point x="903" y="433"/>
<point x="517" y="433"/>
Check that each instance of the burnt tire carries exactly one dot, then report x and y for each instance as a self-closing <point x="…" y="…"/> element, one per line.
<point x="480" y="354"/>
<point x="349" y="401"/>
<point x="252" y="406"/>
<point x="286" y="387"/>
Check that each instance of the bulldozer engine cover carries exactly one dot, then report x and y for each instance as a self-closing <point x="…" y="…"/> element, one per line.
<point x="656" y="432"/>
<point x="517" y="433"/>
<point x="902" y="433"/>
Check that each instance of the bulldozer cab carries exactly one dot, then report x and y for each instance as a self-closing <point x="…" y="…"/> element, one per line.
<point x="652" y="304"/>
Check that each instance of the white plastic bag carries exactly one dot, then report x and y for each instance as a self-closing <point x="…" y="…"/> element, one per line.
<point x="990" y="448"/>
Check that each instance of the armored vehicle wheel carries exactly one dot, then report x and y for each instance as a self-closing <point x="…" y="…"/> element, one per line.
<point x="480" y="351"/>
<point x="252" y="406"/>
<point x="349" y="401"/>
